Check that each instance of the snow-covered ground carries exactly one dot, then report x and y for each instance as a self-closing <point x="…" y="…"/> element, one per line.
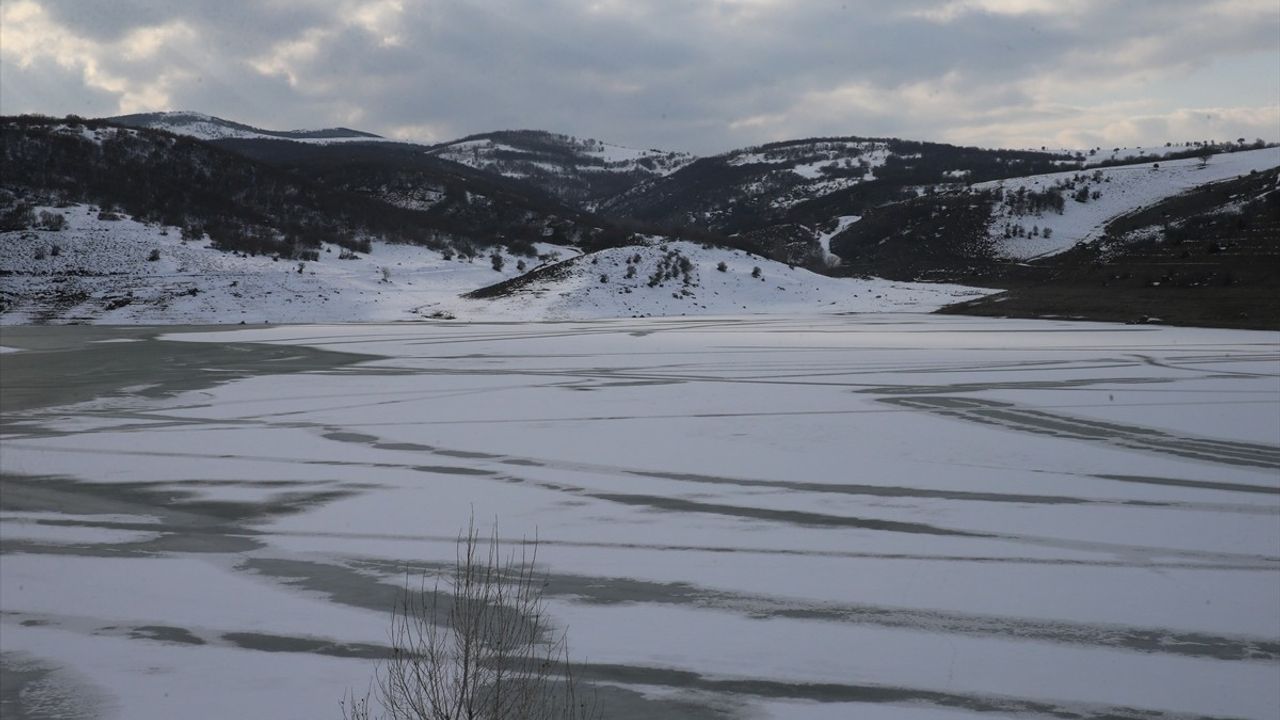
<point x="1122" y="188"/>
<point x="598" y="286"/>
<point x="789" y="517"/>
<point x="101" y="274"/>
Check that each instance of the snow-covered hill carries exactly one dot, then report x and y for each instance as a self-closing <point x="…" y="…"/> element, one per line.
<point x="99" y="270"/>
<point x="813" y="181"/>
<point x="574" y="169"/>
<point x="767" y="179"/>
<point x="208" y="127"/>
<point x="503" y="151"/>
<point x="681" y="278"/>
<point x="1091" y="198"/>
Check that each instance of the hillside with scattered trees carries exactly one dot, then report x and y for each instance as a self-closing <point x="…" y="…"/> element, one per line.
<point x="287" y="207"/>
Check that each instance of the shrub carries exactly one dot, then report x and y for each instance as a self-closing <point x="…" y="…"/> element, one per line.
<point x="154" y="255"/>
<point x="52" y="221"/>
<point x="497" y="656"/>
<point x="498" y="262"/>
<point x="722" y="266"/>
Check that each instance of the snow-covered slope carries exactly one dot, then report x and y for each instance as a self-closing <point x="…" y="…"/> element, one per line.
<point x="207" y="127"/>
<point x="1149" y="152"/>
<point x="805" y="170"/>
<point x="1105" y="194"/>
<point x="100" y="271"/>
<point x="681" y="278"/>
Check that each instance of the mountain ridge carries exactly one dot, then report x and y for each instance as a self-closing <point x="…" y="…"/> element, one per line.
<point x="848" y="206"/>
<point x="209" y="127"/>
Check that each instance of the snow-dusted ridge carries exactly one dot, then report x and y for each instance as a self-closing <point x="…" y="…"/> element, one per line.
<point x="581" y="171"/>
<point x="208" y="127"/>
<point x="506" y="153"/>
<point x="99" y="271"/>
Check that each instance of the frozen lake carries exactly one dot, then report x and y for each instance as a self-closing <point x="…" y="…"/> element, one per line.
<point x="874" y="516"/>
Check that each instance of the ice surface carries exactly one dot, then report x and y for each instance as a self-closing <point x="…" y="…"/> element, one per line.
<point x="807" y="516"/>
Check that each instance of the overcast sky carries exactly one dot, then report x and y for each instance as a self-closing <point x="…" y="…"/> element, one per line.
<point x="697" y="75"/>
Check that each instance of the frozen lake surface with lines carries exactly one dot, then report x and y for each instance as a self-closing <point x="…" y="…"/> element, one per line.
<point x="872" y="516"/>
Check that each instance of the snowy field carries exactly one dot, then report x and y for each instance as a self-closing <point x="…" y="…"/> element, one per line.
<point x="878" y="516"/>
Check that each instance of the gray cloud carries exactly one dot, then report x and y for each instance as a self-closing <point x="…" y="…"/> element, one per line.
<point x="701" y="76"/>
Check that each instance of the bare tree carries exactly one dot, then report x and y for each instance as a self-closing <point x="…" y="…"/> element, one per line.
<point x="483" y="649"/>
